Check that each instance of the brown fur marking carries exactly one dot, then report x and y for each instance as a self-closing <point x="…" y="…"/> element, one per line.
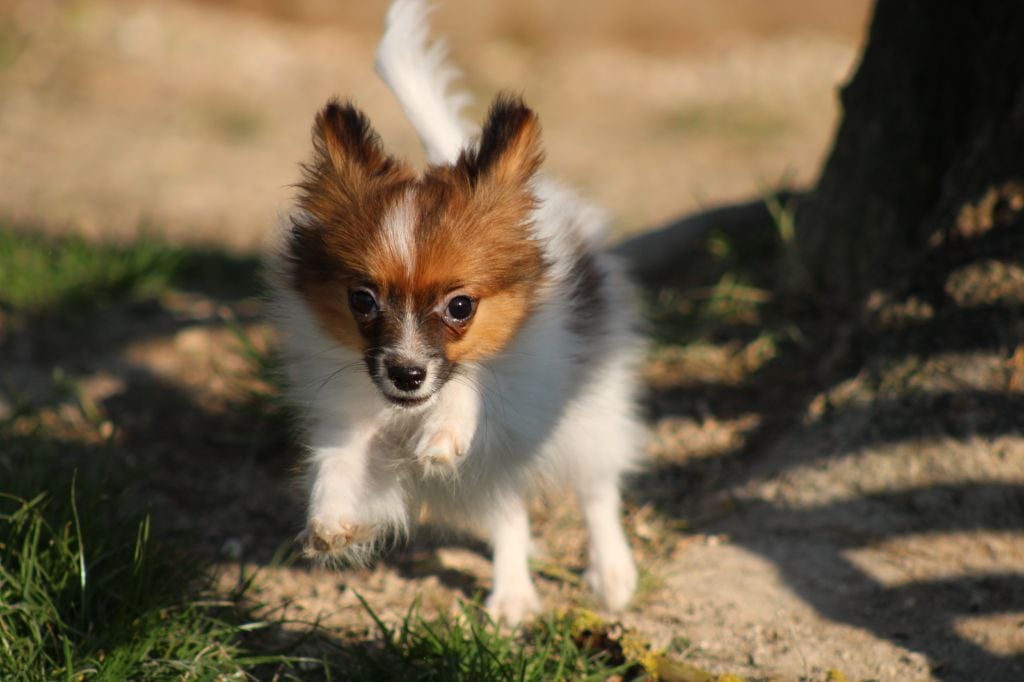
<point x="471" y="230"/>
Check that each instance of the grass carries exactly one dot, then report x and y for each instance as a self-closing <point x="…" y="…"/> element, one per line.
<point x="74" y="276"/>
<point x="469" y="646"/>
<point x="736" y="287"/>
<point x="86" y="590"/>
<point x="235" y="123"/>
<point x="792" y="277"/>
<point x="12" y="43"/>
<point x="695" y="314"/>
<point x="90" y="588"/>
<point x="739" y="122"/>
<point x="38" y="272"/>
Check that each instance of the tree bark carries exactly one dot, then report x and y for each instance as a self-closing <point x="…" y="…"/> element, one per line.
<point x="933" y="118"/>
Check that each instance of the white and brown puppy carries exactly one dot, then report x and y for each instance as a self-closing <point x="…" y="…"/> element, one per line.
<point x="457" y="338"/>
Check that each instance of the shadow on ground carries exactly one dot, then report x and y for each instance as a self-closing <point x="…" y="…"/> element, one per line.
<point x="213" y="468"/>
<point x="929" y="361"/>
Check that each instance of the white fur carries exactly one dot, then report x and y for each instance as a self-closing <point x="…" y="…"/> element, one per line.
<point x="556" y="406"/>
<point x="446" y="434"/>
<point x="398" y="232"/>
<point x="419" y="76"/>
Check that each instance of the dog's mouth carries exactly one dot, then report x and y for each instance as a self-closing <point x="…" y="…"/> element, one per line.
<point x="408" y="403"/>
<point x="422" y="395"/>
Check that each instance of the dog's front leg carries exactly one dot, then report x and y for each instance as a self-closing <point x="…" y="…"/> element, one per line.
<point x="513" y="596"/>
<point x="352" y="502"/>
<point x="448" y="429"/>
<point x="612" y="573"/>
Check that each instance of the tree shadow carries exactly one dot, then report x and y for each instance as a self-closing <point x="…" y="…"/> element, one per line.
<point x="207" y="468"/>
<point x="918" y="615"/>
<point x="799" y="421"/>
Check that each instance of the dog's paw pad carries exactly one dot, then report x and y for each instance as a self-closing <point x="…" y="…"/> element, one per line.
<point x="321" y="540"/>
<point x="439" y="451"/>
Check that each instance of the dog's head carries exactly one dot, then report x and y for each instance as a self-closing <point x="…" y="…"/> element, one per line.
<point x="418" y="274"/>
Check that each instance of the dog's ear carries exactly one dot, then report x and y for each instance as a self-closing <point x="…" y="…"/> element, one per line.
<point x="509" y="149"/>
<point x="344" y="140"/>
<point x="346" y="185"/>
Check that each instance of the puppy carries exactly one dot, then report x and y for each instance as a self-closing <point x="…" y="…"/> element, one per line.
<point x="453" y="339"/>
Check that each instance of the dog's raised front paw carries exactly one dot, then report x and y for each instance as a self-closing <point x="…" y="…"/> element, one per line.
<point x="322" y="540"/>
<point x="440" y="447"/>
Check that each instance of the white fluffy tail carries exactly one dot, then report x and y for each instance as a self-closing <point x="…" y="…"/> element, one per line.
<point x="419" y="76"/>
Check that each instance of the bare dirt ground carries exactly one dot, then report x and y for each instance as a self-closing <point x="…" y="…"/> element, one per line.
<point x="823" y="494"/>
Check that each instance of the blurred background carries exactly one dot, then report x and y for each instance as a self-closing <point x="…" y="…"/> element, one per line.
<point x="188" y="119"/>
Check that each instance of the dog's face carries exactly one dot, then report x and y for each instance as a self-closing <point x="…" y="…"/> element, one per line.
<point x="423" y="274"/>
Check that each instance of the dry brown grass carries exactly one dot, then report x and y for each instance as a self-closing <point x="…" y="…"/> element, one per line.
<point x="190" y="118"/>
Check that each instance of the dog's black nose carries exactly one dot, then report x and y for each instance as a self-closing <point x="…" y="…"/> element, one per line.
<point x="406" y="378"/>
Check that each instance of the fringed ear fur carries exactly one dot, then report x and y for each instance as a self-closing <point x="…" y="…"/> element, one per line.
<point x="509" y="149"/>
<point x="345" y="191"/>
<point x="349" y="168"/>
<point x="343" y="137"/>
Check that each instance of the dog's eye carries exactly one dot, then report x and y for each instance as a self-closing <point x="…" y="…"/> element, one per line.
<point x="460" y="309"/>
<point x="362" y="302"/>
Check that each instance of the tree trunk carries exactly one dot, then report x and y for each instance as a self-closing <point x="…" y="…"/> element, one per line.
<point x="933" y="119"/>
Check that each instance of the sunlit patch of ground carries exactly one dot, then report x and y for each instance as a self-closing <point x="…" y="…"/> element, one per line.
<point x="191" y="118"/>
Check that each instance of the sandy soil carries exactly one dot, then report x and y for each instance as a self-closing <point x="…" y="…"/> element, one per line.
<point x="848" y="498"/>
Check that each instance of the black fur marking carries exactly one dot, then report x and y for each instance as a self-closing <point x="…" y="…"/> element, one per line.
<point x="306" y="255"/>
<point x="505" y="121"/>
<point x="587" y="296"/>
<point x="351" y="128"/>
